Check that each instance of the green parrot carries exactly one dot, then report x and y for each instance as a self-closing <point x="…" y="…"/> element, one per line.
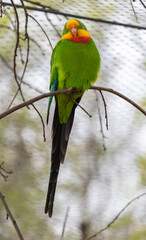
<point x="75" y="63"/>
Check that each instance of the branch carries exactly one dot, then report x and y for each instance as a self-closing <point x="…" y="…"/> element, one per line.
<point x="19" y="78"/>
<point x="77" y="16"/>
<point x="142" y="3"/>
<point x="116" y="217"/>
<point x="27" y="55"/>
<point x="3" y="172"/>
<point x="11" y="216"/>
<point x="101" y="126"/>
<point x="49" y="20"/>
<point x="42" y="30"/>
<point x="15" y="51"/>
<point x="35" y="99"/>
<point x="133" y="10"/>
<point x="45" y="95"/>
<point x="44" y="135"/>
<point x="121" y="96"/>
<point x="78" y="105"/>
<point x="105" y="109"/>
<point x="64" y="224"/>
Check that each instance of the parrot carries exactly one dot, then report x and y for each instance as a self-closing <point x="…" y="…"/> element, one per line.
<point x="75" y="63"/>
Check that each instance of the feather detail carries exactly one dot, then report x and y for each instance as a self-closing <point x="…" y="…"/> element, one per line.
<point x="79" y="39"/>
<point x="52" y="89"/>
<point x="60" y="137"/>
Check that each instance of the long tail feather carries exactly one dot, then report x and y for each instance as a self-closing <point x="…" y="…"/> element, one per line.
<point x="60" y="137"/>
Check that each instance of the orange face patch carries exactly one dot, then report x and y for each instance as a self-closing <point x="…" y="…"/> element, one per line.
<point x="72" y="23"/>
<point x="81" y="35"/>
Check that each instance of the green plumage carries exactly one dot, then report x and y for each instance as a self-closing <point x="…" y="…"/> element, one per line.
<point x="73" y="65"/>
<point x="77" y="65"/>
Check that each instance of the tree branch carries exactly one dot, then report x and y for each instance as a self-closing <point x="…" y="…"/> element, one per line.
<point x="101" y="126"/>
<point x="133" y="10"/>
<point x="142" y="3"/>
<point x="3" y="172"/>
<point x="42" y="30"/>
<point x="49" y="10"/>
<point x="11" y="217"/>
<point x="27" y="55"/>
<point x="121" y="96"/>
<point x="78" y="105"/>
<point x="45" y="95"/>
<point x="15" y="51"/>
<point x="64" y="224"/>
<point x="44" y="135"/>
<point x="105" y="109"/>
<point x="116" y="217"/>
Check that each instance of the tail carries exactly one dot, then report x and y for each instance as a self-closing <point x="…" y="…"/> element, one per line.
<point x="60" y="137"/>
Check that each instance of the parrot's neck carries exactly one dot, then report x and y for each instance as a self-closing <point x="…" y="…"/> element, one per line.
<point x="79" y="39"/>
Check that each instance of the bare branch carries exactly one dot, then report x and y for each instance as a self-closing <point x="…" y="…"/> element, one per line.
<point x="15" y="52"/>
<point x="44" y="135"/>
<point x="121" y="96"/>
<point x="142" y="3"/>
<point x="105" y="108"/>
<point x="50" y="10"/>
<point x="78" y="105"/>
<point x="35" y="99"/>
<point x="3" y="172"/>
<point x="64" y="224"/>
<point x="45" y="95"/>
<point x="42" y="30"/>
<point x="25" y="83"/>
<point x="11" y="216"/>
<point x="133" y="10"/>
<point x="27" y="55"/>
<point x="116" y="217"/>
<point x="49" y="20"/>
<point x="39" y="4"/>
<point x="100" y="121"/>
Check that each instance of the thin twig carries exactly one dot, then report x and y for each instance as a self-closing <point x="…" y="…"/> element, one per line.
<point x="15" y="51"/>
<point x="6" y="27"/>
<point x="39" y="4"/>
<point x="21" y="55"/>
<point x="78" y="16"/>
<point x="78" y="104"/>
<point x="27" y="55"/>
<point x="11" y="216"/>
<point x="64" y="224"/>
<point x="25" y="83"/>
<point x="133" y="10"/>
<point x="121" y="96"/>
<point x="100" y="121"/>
<point x="116" y="217"/>
<point x="49" y="20"/>
<point x="44" y="135"/>
<point x="105" y="108"/>
<point x="3" y="172"/>
<point x="45" y="95"/>
<point x="142" y="3"/>
<point x="42" y="30"/>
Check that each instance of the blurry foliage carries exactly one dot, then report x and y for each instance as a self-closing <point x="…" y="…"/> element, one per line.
<point x="142" y="167"/>
<point x="138" y="235"/>
<point x="22" y="191"/>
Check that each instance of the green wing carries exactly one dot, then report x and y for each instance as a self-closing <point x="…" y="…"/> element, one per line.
<point x="54" y="79"/>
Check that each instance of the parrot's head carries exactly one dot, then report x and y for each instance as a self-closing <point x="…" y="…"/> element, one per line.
<point x="75" y="31"/>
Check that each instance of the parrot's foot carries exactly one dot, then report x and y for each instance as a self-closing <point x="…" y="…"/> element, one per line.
<point x="78" y="91"/>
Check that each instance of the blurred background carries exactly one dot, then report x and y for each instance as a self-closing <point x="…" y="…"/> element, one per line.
<point x="93" y="183"/>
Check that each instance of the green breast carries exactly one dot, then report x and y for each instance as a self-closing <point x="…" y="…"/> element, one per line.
<point x="78" y="66"/>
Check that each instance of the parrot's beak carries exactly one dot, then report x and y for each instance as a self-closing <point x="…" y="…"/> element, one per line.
<point x="74" y="31"/>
